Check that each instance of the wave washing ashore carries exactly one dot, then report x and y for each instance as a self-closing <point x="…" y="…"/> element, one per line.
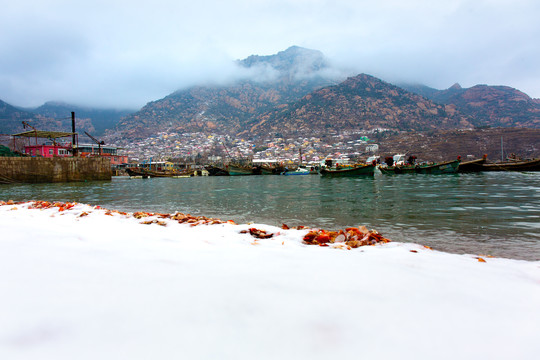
<point x="81" y="281"/>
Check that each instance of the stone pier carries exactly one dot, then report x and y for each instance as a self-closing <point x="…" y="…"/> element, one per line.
<point x="55" y="169"/>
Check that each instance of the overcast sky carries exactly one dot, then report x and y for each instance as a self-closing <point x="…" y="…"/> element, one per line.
<point x="125" y="53"/>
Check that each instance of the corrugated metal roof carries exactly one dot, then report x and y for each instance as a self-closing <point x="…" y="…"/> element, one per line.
<point x="44" y="134"/>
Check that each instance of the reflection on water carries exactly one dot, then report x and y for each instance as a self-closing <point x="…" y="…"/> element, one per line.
<point x="497" y="214"/>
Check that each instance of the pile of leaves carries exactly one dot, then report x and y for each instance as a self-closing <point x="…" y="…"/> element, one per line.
<point x="352" y="237"/>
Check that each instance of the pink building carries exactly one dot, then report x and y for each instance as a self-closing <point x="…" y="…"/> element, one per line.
<point x="48" y="150"/>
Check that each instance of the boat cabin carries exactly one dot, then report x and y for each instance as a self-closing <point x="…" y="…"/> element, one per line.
<point x="157" y="165"/>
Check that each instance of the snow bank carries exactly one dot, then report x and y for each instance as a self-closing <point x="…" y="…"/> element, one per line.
<point x="89" y="283"/>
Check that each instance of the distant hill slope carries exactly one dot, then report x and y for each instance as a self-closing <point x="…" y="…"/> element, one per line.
<point x="11" y="118"/>
<point x="493" y="106"/>
<point x="446" y="145"/>
<point x="359" y="102"/>
<point x="56" y="116"/>
<point x="93" y="120"/>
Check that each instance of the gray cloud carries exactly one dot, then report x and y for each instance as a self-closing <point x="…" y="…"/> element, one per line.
<point x="123" y="53"/>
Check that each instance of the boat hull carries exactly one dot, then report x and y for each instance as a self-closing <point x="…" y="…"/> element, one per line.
<point x="532" y="165"/>
<point x="471" y="166"/>
<point x="396" y="170"/>
<point x="216" y="171"/>
<point x="291" y="173"/>
<point x="234" y="170"/>
<point x="144" y="173"/>
<point x="450" y="167"/>
<point x="365" y="170"/>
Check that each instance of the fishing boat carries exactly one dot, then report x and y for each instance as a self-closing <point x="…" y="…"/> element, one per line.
<point x="146" y="173"/>
<point x="298" y="171"/>
<point x="398" y="165"/>
<point x="267" y="169"/>
<point x="214" y="170"/>
<point x="472" y="165"/>
<point x="237" y="169"/>
<point x="525" y="165"/>
<point x="398" y="169"/>
<point x="357" y="170"/>
<point x="512" y="163"/>
<point x="448" y="167"/>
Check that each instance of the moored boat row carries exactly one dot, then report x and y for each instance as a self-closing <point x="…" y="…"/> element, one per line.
<point x="336" y="170"/>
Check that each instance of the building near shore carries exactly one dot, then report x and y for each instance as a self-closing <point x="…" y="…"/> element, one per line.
<point x="111" y="152"/>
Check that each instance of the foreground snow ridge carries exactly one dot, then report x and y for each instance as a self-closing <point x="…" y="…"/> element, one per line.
<point x="83" y="282"/>
<point x="349" y="238"/>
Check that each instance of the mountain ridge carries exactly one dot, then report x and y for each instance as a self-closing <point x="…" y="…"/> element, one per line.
<point x="362" y="101"/>
<point x="294" y="90"/>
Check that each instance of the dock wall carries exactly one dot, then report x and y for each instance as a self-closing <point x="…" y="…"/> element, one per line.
<point x="55" y="169"/>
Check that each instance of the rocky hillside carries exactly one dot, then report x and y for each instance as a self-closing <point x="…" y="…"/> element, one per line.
<point x="360" y="102"/>
<point x="269" y="82"/>
<point x="223" y="109"/>
<point x="493" y="106"/>
<point x="56" y="116"/>
<point x="290" y="92"/>
<point x="11" y="118"/>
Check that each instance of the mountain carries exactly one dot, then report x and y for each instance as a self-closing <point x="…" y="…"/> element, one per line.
<point x="295" y="61"/>
<point x="293" y="91"/>
<point x="360" y="102"/>
<point x="492" y="106"/>
<point x="11" y="118"/>
<point x="93" y="120"/>
<point x="273" y="81"/>
<point x="56" y="116"/>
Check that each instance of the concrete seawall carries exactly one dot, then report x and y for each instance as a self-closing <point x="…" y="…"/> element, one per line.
<point x="49" y="170"/>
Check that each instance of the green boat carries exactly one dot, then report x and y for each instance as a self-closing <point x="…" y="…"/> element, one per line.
<point x="394" y="170"/>
<point x="236" y="169"/>
<point x="359" y="170"/>
<point x="448" y="167"/>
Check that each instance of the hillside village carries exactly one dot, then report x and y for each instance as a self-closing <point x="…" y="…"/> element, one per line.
<point x="203" y="148"/>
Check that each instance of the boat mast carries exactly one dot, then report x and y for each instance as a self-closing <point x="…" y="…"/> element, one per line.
<point x="502" y="151"/>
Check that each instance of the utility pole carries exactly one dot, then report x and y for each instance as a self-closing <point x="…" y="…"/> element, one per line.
<point x="73" y="145"/>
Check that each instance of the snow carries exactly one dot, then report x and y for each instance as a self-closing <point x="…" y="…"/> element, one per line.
<point x="105" y="286"/>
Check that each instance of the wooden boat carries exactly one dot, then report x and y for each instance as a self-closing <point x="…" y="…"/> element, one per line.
<point x="302" y="170"/>
<point x="527" y="165"/>
<point x="216" y="170"/>
<point x="472" y="166"/>
<point x="272" y="169"/>
<point x="236" y="169"/>
<point x="448" y="167"/>
<point x="398" y="169"/>
<point x="299" y="171"/>
<point x="358" y="170"/>
<point x="145" y="173"/>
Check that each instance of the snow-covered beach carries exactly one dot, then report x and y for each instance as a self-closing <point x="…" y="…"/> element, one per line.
<point x="89" y="283"/>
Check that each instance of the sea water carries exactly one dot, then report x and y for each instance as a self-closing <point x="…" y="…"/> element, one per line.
<point x="485" y="213"/>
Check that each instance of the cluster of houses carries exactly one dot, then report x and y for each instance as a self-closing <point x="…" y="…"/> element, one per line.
<point x="200" y="148"/>
<point x="212" y="148"/>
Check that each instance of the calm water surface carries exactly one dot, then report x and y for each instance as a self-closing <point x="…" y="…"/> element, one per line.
<point x="486" y="213"/>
